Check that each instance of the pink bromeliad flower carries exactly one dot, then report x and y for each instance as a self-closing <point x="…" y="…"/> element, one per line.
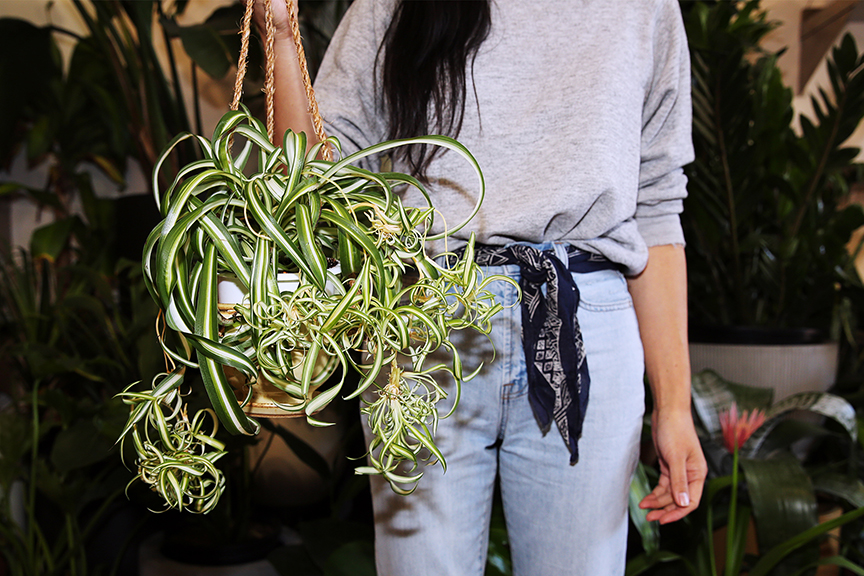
<point x="737" y="429"/>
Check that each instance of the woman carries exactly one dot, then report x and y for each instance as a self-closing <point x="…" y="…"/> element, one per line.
<point x="579" y="114"/>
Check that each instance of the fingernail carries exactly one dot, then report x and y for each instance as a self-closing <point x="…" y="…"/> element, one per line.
<point x="683" y="499"/>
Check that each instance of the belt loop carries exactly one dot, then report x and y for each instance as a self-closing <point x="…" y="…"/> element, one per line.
<point x="561" y="252"/>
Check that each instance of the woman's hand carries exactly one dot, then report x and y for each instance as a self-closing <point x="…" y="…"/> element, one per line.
<point x="281" y="20"/>
<point x="682" y="468"/>
<point x="292" y="110"/>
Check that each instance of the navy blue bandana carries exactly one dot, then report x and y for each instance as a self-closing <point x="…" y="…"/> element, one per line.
<point x="558" y="378"/>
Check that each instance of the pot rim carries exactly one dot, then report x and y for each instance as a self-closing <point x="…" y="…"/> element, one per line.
<point x="761" y="335"/>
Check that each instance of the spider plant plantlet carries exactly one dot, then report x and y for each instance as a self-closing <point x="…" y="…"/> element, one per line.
<point x="267" y="210"/>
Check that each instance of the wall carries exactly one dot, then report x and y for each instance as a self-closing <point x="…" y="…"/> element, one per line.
<point x="789" y="13"/>
<point x="18" y="218"/>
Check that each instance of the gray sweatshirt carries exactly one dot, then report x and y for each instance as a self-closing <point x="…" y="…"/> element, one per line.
<point x="581" y="122"/>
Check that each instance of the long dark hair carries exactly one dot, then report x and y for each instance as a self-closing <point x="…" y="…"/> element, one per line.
<point x="427" y="52"/>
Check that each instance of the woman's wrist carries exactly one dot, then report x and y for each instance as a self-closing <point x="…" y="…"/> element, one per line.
<point x="672" y="400"/>
<point x="283" y="42"/>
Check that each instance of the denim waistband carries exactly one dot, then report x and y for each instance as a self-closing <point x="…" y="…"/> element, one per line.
<point x="558" y="379"/>
<point x="578" y="261"/>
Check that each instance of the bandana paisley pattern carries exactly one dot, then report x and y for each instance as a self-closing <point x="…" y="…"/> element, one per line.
<point x="558" y="380"/>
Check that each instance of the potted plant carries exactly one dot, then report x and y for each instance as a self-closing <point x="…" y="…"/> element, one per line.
<point x="767" y="219"/>
<point x="268" y="210"/>
<point x="768" y="471"/>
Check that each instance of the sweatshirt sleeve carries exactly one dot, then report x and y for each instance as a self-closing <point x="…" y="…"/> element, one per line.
<point x="666" y="144"/>
<point x="346" y="83"/>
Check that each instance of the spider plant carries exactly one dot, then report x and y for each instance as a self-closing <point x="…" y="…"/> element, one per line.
<point x="296" y="213"/>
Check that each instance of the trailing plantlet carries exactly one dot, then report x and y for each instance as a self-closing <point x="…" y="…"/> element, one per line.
<point x="249" y="217"/>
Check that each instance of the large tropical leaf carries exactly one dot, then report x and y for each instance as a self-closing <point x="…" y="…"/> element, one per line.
<point x="782" y="501"/>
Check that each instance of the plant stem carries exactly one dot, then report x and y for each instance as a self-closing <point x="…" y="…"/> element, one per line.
<point x="712" y="557"/>
<point x="175" y="76"/>
<point x="728" y="569"/>
<point x="70" y="535"/>
<point x="31" y="497"/>
<point x="812" y="186"/>
<point x="78" y="544"/>
<point x="35" y="538"/>
<point x="110" y="41"/>
<point x="199" y="125"/>
<point x="820" y="168"/>
<point x="12" y="534"/>
<point x="730" y="199"/>
<point x="54" y="28"/>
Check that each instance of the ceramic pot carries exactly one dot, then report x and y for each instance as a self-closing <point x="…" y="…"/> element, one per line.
<point x="787" y="360"/>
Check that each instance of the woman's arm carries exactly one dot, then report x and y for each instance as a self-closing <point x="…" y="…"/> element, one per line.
<point x="660" y="298"/>
<point x="291" y="108"/>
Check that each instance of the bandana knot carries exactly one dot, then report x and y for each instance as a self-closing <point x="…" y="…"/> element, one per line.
<point x="558" y="379"/>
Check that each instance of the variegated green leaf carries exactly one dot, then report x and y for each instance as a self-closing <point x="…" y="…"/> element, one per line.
<point x="362" y="238"/>
<point x="218" y="390"/>
<point x="294" y="145"/>
<point x="442" y="141"/>
<point x="205" y="146"/>
<point x="288" y="246"/>
<point x="314" y="258"/>
<point x="296" y="212"/>
<point x="822" y="403"/>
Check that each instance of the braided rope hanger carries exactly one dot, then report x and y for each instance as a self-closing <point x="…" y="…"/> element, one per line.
<point x="270" y="59"/>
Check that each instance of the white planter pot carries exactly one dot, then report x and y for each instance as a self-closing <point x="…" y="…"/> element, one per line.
<point x="17" y="504"/>
<point x="153" y="563"/>
<point x="787" y="368"/>
<point x="231" y="291"/>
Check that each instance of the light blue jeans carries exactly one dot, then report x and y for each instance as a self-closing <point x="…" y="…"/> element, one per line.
<point x="561" y="520"/>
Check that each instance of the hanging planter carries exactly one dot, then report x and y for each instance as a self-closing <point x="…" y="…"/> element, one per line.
<point x="251" y="210"/>
<point x="266" y="399"/>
